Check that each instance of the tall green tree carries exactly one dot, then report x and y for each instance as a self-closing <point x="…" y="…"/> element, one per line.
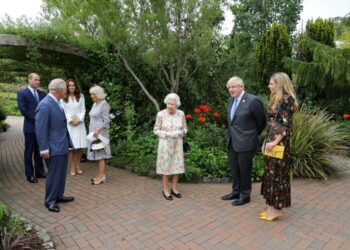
<point x="342" y="31"/>
<point x="321" y="71"/>
<point x="273" y="46"/>
<point x="252" y="19"/>
<point x="170" y="35"/>
<point x="321" y="30"/>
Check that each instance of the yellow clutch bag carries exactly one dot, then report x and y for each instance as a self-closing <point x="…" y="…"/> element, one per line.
<point x="276" y="152"/>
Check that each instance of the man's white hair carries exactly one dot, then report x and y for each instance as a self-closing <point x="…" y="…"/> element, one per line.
<point x="57" y="84"/>
<point x="174" y="97"/>
<point x="235" y="80"/>
<point x="99" y="92"/>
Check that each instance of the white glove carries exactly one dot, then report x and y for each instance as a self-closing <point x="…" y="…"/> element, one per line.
<point x="171" y="134"/>
<point x="178" y="133"/>
<point x="161" y="134"/>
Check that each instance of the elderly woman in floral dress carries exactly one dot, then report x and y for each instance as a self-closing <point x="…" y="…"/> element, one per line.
<point x="170" y="127"/>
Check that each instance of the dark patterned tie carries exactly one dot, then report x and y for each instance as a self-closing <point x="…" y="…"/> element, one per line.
<point x="36" y="95"/>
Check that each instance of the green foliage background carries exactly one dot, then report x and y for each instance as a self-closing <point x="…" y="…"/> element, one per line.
<point x="127" y="42"/>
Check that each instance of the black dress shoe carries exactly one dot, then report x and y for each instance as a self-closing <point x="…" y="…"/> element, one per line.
<point x="32" y="179"/>
<point x="230" y="196"/>
<point x="65" y="199"/>
<point x="41" y="176"/>
<point x="52" y="208"/>
<point x="177" y="195"/>
<point x="169" y="198"/>
<point x="241" y="202"/>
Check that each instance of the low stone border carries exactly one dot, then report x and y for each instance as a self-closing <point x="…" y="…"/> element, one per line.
<point x="43" y="234"/>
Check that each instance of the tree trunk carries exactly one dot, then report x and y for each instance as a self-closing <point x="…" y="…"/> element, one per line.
<point x="150" y="97"/>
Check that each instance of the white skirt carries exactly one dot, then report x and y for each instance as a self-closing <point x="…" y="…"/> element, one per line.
<point x="78" y="135"/>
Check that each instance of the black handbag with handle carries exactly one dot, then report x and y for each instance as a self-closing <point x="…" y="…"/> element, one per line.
<point x="186" y="146"/>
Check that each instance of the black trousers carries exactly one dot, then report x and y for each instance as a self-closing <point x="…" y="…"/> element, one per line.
<point x="241" y="164"/>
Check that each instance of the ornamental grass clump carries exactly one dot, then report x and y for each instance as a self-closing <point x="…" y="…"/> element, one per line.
<point x="11" y="228"/>
<point x="314" y="137"/>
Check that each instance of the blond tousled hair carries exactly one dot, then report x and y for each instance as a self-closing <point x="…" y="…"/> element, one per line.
<point x="284" y="86"/>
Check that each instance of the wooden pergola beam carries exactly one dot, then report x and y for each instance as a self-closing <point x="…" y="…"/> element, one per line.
<point x="19" y="41"/>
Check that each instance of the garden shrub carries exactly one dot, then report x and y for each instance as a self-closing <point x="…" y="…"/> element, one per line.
<point x="2" y="110"/>
<point x="11" y="228"/>
<point x="139" y="154"/>
<point x="315" y="135"/>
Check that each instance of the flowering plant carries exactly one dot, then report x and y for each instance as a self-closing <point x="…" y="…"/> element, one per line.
<point x="202" y="114"/>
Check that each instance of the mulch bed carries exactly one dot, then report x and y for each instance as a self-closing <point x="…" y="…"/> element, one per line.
<point x="30" y="240"/>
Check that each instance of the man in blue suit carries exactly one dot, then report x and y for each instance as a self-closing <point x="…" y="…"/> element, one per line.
<point x="28" y="100"/>
<point x="54" y="142"/>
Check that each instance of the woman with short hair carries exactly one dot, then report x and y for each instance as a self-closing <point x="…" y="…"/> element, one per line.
<point x="99" y="125"/>
<point x="170" y="127"/>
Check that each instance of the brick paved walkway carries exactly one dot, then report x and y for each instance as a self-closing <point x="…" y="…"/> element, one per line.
<point x="129" y="212"/>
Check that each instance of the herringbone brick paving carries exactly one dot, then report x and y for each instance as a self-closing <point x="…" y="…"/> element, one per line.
<point x="129" y="212"/>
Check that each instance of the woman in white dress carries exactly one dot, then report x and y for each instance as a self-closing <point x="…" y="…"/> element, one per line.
<point x="170" y="127"/>
<point x="74" y="107"/>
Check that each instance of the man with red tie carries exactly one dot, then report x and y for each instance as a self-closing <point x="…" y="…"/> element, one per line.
<point x="28" y="100"/>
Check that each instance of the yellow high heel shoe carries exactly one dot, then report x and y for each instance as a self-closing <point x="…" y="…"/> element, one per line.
<point x="97" y="182"/>
<point x="263" y="213"/>
<point x="268" y="218"/>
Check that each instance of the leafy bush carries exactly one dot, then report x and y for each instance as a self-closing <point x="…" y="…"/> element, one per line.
<point x="345" y="126"/>
<point x="207" y="135"/>
<point x="2" y="110"/>
<point x="314" y="137"/>
<point x="140" y="154"/>
<point x="8" y="103"/>
<point x="11" y="227"/>
<point x="211" y="161"/>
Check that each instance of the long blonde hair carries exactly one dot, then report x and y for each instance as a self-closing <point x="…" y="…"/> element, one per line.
<point x="283" y="87"/>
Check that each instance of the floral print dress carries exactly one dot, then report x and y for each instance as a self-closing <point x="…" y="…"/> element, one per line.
<point x="170" y="129"/>
<point x="275" y="185"/>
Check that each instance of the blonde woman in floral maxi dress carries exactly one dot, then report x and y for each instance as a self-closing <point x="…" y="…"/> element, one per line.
<point x="170" y="127"/>
<point x="275" y="185"/>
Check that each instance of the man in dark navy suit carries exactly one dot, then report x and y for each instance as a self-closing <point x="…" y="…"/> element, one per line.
<point x="28" y="99"/>
<point x="54" y="142"/>
<point x="246" y="120"/>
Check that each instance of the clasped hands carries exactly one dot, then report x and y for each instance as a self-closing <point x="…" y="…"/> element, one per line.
<point x="74" y="122"/>
<point x="172" y="134"/>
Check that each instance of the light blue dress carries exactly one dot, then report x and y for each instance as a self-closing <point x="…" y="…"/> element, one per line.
<point x="99" y="117"/>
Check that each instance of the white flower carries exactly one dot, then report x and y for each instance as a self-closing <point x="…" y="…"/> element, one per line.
<point x="112" y="116"/>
